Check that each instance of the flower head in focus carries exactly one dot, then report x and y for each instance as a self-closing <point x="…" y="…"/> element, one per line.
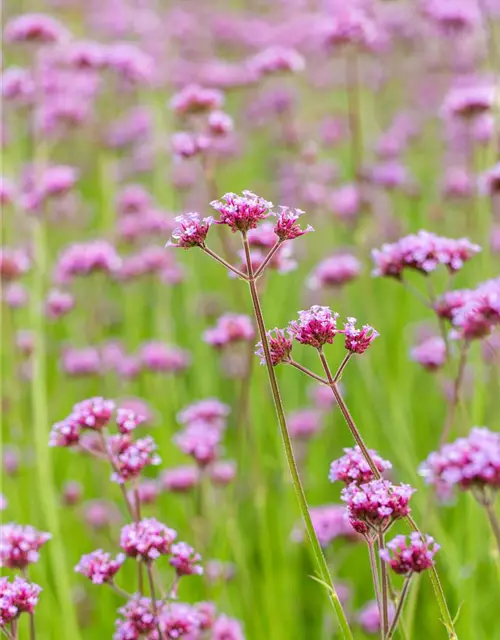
<point x="410" y="554"/>
<point x="280" y="347"/>
<point x="191" y="231"/>
<point x="241" y="213"/>
<point x="99" y="566"/>
<point x="287" y="226"/>
<point x="315" y="327"/>
<point x="358" y="340"/>
<point x="352" y="467"/>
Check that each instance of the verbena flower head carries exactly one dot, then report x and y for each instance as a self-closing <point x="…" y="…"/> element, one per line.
<point x="188" y="145"/>
<point x="16" y="597"/>
<point x="422" y="252"/>
<point x="179" y="620"/>
<point x="185" y="560"/>
<point x="410" y="554"/>
<point x="20" y="545"/>
<point x="480" y="312"/>
<point x="130" y="457"/>
<point x="180" y="479"/>
<point x="128" y="420"/>
<point x="241" y="213"/>
<point x="287" y="226"/>
<point x="280" y="347"/>
<point x="194" y="99"/>
<point x="315" y="327"/>
<point x="350" y="26"/>
<point x="220" y="123"/>
<point x="35" y="27"/>
<point x="147" y="538"/>
<point x="163" y="358"/>
<point x="430" y="354"/>
<point x="223" y="472"/>
<point x="211" y="411"/>
<point x="190" y="232"/>
<point x="489" y="182"/>
<point x="99" y="566"/>
<point x="94" y="413"/>
<point x="335" y="271"/>
<point x="58" y="303"/>
<point x="369" y="617"/>
<point x="85" y="258"/>
<point x="377" y="503"/>
<point x="469" y="101"/>
<point x="468" y="463"/>
<point x="139" y="620"/>
<point x="303" y="424"/>
<point x="65" y="433"/>
<point x="200" y="442"/>
<point x="352" y="467"/>
<point x="358" y="340"/>
<point x="226" y="628"/>
<point x="230" y="328"/>
<point x="13" y="263"/>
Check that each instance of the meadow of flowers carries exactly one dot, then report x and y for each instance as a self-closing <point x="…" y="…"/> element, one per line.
<point x="250" y="320"/>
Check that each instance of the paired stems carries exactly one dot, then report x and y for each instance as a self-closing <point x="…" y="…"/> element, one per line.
<point x="400" y="605"/>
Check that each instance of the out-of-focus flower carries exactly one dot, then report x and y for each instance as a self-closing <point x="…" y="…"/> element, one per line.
<point x="58" y="303"/>
<point x="147" y="538"/>
<point x="304" y="423"/>
<point x="227" y="629"/>
<point x="38" y="28"/>
<point x="194" y="99"/>
<point x="179" y="479"/>
<point x="20" y="545"/>
<point x="210" y="411"/>
<point x="430" y="354"/>
<point x="277" y="59"/>
<point x="330" y="522"/>
<point x="230" y="328"/>
<point x="130" y="457"/>
<point x="335" y="271"/>
<point x="369" y="617"/>
<point x="200" y="442"/>
<point x="163" y="358"/>
<point x="185" y="560"/>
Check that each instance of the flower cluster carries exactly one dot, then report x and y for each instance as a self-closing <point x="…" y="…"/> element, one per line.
<point x="210" y="411"/>
<point x="185" y="560"/>
<point x="191" y="231"/>
<point x="410" y="554"/>
<point x="129" y="457"/>
<point x="194" y="99"/>
<point x="377" y="503"/>
<point x="277" y="59"/>
<point x="430" y="353"/>
<point x="287" y="226"/>
<point x="230" y="328"/>
<point x="352" y="467"/>
<point x="468" y="463"/>
<point x="241" y="213"/>
<point x="358" y="340"/>
<point x="20" y="546"/>
<point x="315" y="327"/>
<point x="334" y="271"/>
<point x="99" y="566"/>
<point x="148" y="539"/>
<point x="85" y="258"/>
<point x="16" y="597"/>
<point x="422" y="252"/>
<point x="280" y="347"/>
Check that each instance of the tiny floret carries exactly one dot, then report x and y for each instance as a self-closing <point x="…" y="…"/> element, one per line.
<point x="20" y="546"/>
<point x="280" y="347"/>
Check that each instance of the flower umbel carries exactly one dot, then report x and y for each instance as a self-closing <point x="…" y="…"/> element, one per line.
<point x="408" y="554"/>
<point x="280" y="347"/>
<point x="191" y="231"/>
<point x="315" y="327"/>
<point x="241" y="213"/>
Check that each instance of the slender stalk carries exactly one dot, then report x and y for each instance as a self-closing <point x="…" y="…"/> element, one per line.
<point x="7" y="633"/>
<point x="457" y="387"/>
<point x="268" y="259"/>
<point x="152" y="594"/>
<point x="308" y="372"/>
<point x="495" y="525"/>
<point x="374" y="569"/>
<point x="217" y="257"/>
<point x="318" y="552"/>
<point x="399" y="608"/>
<point x="121" y="592"/>
<point x="343" y="364"/>
<point x="384" y="588"/>
<point x="347" y="416"/>
<point x="24" y="571"/>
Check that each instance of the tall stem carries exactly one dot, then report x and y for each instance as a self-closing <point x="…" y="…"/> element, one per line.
<point x="318" y="552"/>
<point x="457" y="387"/>
<point x="399" y="608"/>
<point x="495" y="525"/>
<point x="384" y="588"/>
<point x="374" y="569"/>
<point x="152" y="594"/>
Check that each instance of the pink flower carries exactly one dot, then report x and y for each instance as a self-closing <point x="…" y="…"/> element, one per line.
<point x="199" y="441"/>
<point x="139" y="620"/>
<point x="191" y="232"/>
<point x="65" y="433"/>
<point x="277" y="59"/>
<point x="241" y="213"/>
<point x="211" y="411"/>
<point x="128" y="420"/>
<point x="71" y="493"/>
<point x="489" y="182"/>
<point x="330" y="521"/>
<point x="132" y="64"/>
<point x="335" y="271"/>
<point x="377" y="503"/>
<point x="219" y="123"/>
<point x="179" y="620"/>
<point x="94" y="413"/>
<point x="468" y="463"/>
<point x="194" y="99"/>
<point x="480" y="313"/>
<point x="81" y="362"/>
<point x="16" y="597"/>
<point x="230" y="328"/>
<point x="132" y="456"/>
<point x="352" y="467"/>
<point x="86" y="258"/>
<point x="315" y="327"/>
<point x="287" y="226"/>
<point x="147" y="538"/>
<point x="222" y="472"/>
<point x="358" y="340"/>
<point x="280" y="347"/>
<point x="99" y="567"/>
<point x="413" y="553"/>
<point x="162" y="358"/>
<point x="349" y="26"/>
<point x="227" y="629"/>
<point x="430" y="354"/>
<point x="35" y="27"/>
<point x="185" y="560"/>
<point x="180" y="479"/>
<point x="369" y="617"/>
<point x="147" y="492"/>
<point x="58" y="303"/>
<point x="20" y="545"/>
<point x="17" y="86"/>
<point x="188" y="145"/>
<point x="469" y="101"/>
<point x="13" y="263"/>
<point x="305" y="423"/>
<point x="133" y="199"/>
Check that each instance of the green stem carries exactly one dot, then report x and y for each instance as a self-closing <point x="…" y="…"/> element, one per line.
<point x="495" y="525"/>
<point x="318" y="552"/>
<point x="374" y="569"/>
<point x="384" y="589"/>
<point x="399" y="608"/>
<point x="152" y="594"/>
<point x="308" y="372"/>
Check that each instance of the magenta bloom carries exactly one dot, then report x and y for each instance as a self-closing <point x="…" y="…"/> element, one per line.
<point x="191" y="232"/>
<point x="287" y="226"/>
<point x="65" y="433"/>
<point x="220" y="123"/>
<point x="132" y="456"/>
<point x="377" y="503"/>
<point x="99" y="566"/>
<point x="358" y="340"/>
<point x="81" y="362"/>
<point x="330" y="521"/>
<point x="194" y="99"/>
<point x="222" y="472"/>
<point x="185" y="560"/>
<point x="230" y="328"/>
<point x="352" y="467"/>
<point x="489" y="182"/>
<point x="128" y="420"/>
<point x="350" y="26"/>
<point x="469" y="101"/>
<point x="241" y="213"/>
<point x="480" y="313"/>
<point x="315" y="327"/>
<point x="226" y="628"/>
<point x="163" y="358"/>
<point x="187" y="145"/>
<point x="369" y="617"/>
<point x="35" y="27"/>
<point x="179" y="620"/>
<point x="58" y="303"/>
<point x="18" y="86"/>
<point x="180" y="479"/>
<point x="139" y="620"/>
<point x="277" y="59"/>
<point x="13" y="263"/>
<point x="85" y="258"/>
<point x="200" y="441"/>
<point x="16" y="597"/>
<point x="408" y="554"/>
<point x="147" y="538"/>
<point x="430" y="354"/>
<point x="20" y="545"/>
<point x="210" y="411"/>
<point x="94" y="413"/>
<point x="280" y="346"/>
<point x="335" y="271"/>
<point x="305" y="423"/>
<point x="468" y="463"/>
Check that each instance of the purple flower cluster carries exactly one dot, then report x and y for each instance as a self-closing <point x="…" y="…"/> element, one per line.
<point x="410" y="554"/>
<point x="191" y="232"/>
<point x="130" y="457"/>
<point x="468" y="463"/>
<point x="280" y="347"/>
<point x="330" y="521"/>
<point x="315" y="327"/>
<point x="230" y="328"/>
<point x="148" y="539"/>
<point x="99" y="566"/>
<point x="20" y="546"/>
<point x="352" y="467"/>
<point x="16" y="597"/>
<point x="430" y="353"/>
<point x="334" y="271"/>
<point x="422" y="252"/>
<point x="83" y="259"/>
<point x="241" y="213"/>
